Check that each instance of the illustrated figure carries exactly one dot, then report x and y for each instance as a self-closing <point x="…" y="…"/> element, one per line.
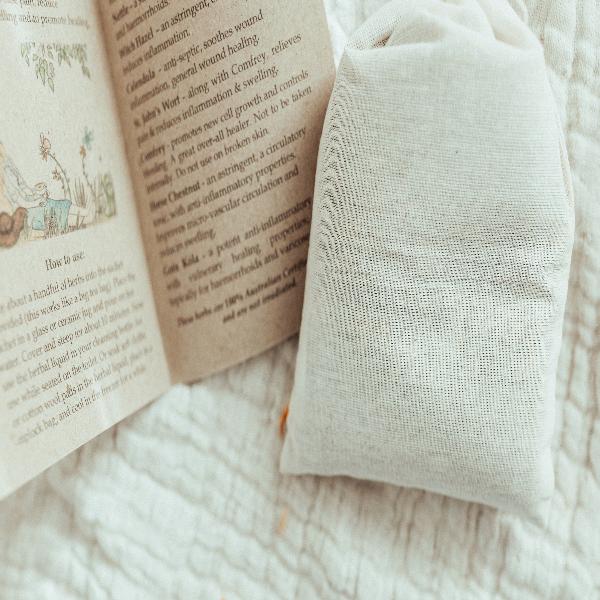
<point x="48" y="215"/>
<point x="45" y="215"/>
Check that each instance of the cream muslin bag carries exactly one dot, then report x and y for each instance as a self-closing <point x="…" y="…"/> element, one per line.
<point x="439" y="261"/>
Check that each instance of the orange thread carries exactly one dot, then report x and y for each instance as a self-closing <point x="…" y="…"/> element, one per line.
<point x="283" y="519"/>
<point x="283" y="421"/>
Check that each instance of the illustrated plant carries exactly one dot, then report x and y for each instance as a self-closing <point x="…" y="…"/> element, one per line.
<point x="86" y="147"/>
<point x="101" y="187"/>
<point x="107" y="191"/>
<point x="46" y="58"/>
<point x="80" y="194"/>
<point x="59" y="172"/>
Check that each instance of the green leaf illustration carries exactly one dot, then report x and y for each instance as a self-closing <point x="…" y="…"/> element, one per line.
<point x="48" y="58"/>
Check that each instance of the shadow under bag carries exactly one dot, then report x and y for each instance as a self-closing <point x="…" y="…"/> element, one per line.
<point x="439" y="261"/>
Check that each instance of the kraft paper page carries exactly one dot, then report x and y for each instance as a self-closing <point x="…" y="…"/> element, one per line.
<point x="222" y="105"/>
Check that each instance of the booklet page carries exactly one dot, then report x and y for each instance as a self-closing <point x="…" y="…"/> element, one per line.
<point x="222" y="104"/>
<point x="79" y="340"/>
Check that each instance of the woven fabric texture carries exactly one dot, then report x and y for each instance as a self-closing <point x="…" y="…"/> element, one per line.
<point x="439" y="262"/>
<point x="184" y="499"/>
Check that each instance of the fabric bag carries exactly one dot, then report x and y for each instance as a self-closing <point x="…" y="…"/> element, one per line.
<point x="439" y="261"/>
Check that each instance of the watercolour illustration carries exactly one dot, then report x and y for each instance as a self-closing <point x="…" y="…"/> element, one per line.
<point x="33" y="213"/>
<point x="47" y="59"/>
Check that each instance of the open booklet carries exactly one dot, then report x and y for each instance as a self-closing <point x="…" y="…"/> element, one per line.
<point x="157" y="164"/>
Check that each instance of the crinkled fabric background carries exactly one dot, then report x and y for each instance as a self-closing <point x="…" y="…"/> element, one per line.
<point x="184" y="500"/>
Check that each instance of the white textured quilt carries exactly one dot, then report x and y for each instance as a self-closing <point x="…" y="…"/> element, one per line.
<point x="184" y="500"/>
